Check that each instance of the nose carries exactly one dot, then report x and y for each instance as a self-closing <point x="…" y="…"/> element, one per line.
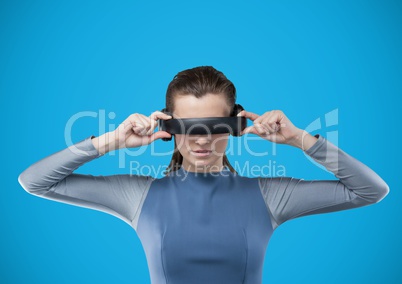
<point x="202" y="140"/>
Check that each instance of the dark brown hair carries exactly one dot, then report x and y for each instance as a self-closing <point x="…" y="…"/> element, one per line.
<point x="198" y="82"/>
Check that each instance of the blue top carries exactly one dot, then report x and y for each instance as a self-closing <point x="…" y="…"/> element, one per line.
<point x="205" y="227"/>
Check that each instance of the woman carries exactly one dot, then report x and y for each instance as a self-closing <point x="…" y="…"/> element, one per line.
<point x="202" y="222"/>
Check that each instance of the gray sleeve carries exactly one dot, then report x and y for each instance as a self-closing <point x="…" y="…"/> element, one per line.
<point x="52" y="178"/>
<point x="287" y="198"/>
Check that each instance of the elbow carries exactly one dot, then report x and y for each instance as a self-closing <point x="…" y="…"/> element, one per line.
<point x="26" y="180"/>
<point x="382" y="192"/>
<point x="379" y="191"/>
<point x="373" y="193"/>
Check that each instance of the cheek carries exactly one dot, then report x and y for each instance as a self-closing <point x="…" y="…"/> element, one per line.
<point x="221" y="142"/>
<point x="181" y="138"/>
<point x="181" y="141"/>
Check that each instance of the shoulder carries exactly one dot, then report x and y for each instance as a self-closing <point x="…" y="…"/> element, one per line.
<point x="129" y="181"/>
<point x="267" y="183"/>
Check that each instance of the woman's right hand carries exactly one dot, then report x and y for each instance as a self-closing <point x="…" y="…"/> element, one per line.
<point x="138" y="129"/>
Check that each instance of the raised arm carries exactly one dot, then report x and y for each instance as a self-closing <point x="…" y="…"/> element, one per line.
<point x="52" y="178"/>
<point x="287" y="198"/>
<point x="119" y="195"/>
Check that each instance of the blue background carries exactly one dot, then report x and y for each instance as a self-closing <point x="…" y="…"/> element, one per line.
<point x="306" y="58"/>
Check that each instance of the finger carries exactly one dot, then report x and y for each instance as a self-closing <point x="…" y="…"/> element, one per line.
<point x="279" y="119"/>
<point x="248" y="114"/>
<point x="125" y="125"/>
<point x="277" y="125"/>
<point x="262" y="129"/>
<point x="141" y="131"/>
<point x="128" y="124"/>
<point x="265" y="117"/>
<point x="140" y="121"/>
<point x="154" y="119"/>
<point x="249" y="129"/>
<point x="158" y="135"/>
<point x="270" y="127"/>
<point x="139" y="124"/>
<point x="147" y="124"/>
<point x="140" y="128"/>
<point x="160" y="115"/>
<point x="273" y="121"/>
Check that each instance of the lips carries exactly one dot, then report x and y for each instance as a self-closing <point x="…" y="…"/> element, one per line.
<point x="202" y="151"/>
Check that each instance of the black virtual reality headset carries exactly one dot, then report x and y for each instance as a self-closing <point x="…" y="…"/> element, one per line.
<point x="204" y="125"/>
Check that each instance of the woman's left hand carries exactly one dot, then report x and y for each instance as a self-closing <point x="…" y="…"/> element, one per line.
<point x="273" y="126"/>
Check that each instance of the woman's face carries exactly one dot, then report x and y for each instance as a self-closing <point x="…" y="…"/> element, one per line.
<point x="210" y="105"/>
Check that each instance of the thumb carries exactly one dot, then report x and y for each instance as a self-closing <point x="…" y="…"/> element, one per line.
<point x="240" y="113"/>
<point x="249" y="129"/>
<point x="159" y="134"/>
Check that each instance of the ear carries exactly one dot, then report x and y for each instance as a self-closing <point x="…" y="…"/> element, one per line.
<point x="167" y="112"/>
<point x="237" y="108"/>
<point x="160" y="122"/>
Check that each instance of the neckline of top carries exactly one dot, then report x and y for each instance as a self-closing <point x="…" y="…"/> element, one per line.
<point x="224" y="172"/>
